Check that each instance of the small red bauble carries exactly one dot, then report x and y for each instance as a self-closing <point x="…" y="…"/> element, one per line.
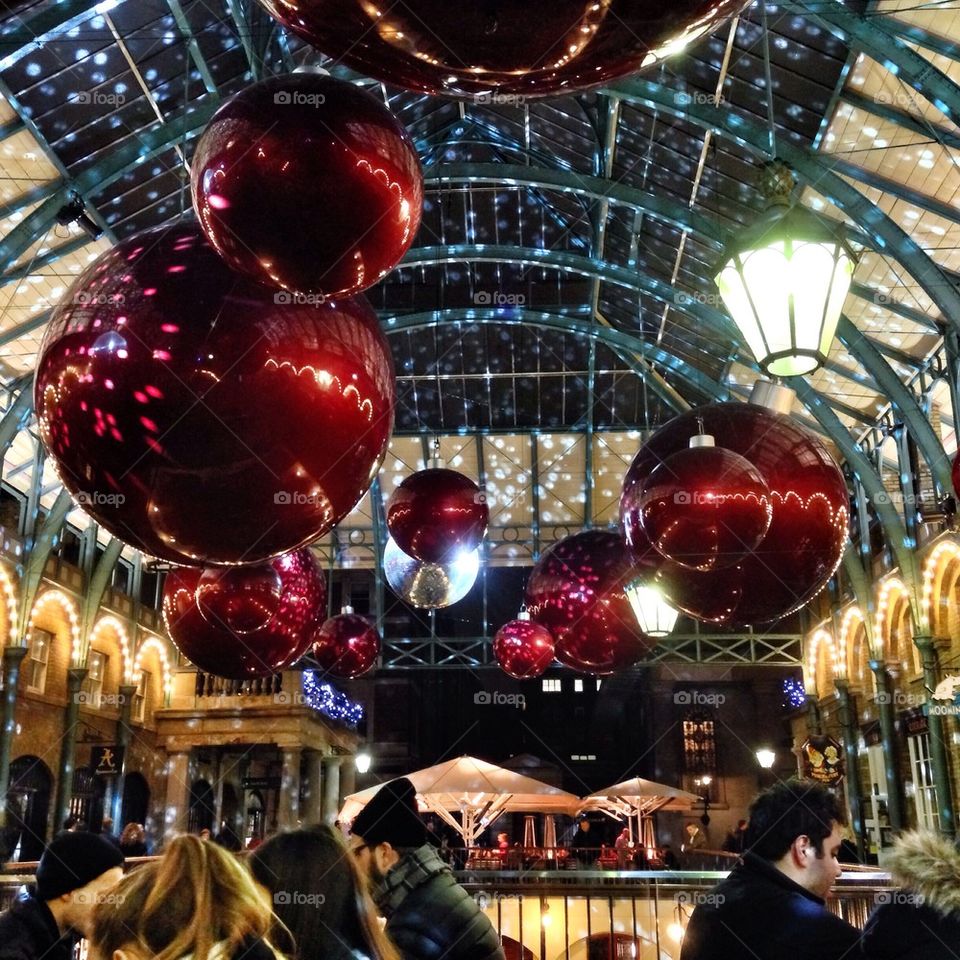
<point x="705" y="507"/>
<point x="809" y="523"/>
<point x="523" y="649"/>
<point x="212" y="648"/>
<point x="309" y="184"/>
<point x="199" y="420"/>
<point x="346" y="646"/>
<point x="530" y="47"/>
<point x="437" y="514"/>
<point x="239" y="598"/>
<point x="576" y="591"/>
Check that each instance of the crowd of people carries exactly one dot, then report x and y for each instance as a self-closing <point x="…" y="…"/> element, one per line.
<point x="312" y="894"/>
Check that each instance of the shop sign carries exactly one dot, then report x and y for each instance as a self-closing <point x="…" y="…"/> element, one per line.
<point x="106" y="761"/>
<point x="945" y="700"/>
<point x="261" y="783"/>
<point x="822" y="760"/>
<point x="914" y="722"/>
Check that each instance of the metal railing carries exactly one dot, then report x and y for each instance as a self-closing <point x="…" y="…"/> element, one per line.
<point x="591" y="914"/>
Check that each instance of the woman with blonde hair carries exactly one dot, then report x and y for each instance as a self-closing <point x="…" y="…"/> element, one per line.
<point x="320" y="896"/>
<point x="197" y="901"/>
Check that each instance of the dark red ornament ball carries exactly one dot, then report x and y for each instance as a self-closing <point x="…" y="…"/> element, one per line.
<point x="576" y="591"/>
<point x="529" y="47"/>
<point x="705" y="507"/>
<point x="308" y="184"/>
<point x="346" y="646"/>
<point x="241" y="599"/>
<point x="215" y="649"/>
<point x="808" y="528"/>
<point x="523" y="649"/>
<point x="198" y="419"/>
<point x="435" y="515"/>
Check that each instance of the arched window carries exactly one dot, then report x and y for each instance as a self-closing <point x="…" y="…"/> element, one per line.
<point x="699" y="750"/>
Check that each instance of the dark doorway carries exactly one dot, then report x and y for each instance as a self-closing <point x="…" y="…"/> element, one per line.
<point x="136" y="799"/>
<point x="201" y="807"/>
<point x="87" y="801"/>
<point x="28" y="806"/>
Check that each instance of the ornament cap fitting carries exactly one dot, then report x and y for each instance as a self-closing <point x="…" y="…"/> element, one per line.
<point x="346" y="609"/>
<point x="702" y="440"/>
<point x="523" y="615"/>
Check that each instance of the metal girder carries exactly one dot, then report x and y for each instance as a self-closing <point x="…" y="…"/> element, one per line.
<point x="183" y="25"/>
<point x="890" y="303"/>
<point x="94" y="591"/>
<point x="568" y="181"/>
<point x="36" y="551"/>
<point x="902" y="118"/>
<point x="379" y="524"/>
<point x="15" y="418"/>
<point x="735" y="649"/>
<point x="812" y="168"/>
<point x="877" y="37"/>
<point x="901" y="544"/>
<point x="899" y="190"/>
<point x="20" y="35"/>
<point x="39" y="262"/>
<point x="900" y="396"/>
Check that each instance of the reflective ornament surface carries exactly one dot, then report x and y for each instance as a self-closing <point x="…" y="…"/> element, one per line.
<point x="346" y="646"/>
<point x="213" y="648"/>
<point x="429" y="585"/>
<point x="577" y="591"/>
<point x="197" y="419"/>
<point x="809" y="524"/>
<point x="239" y="598"/>
<point x="308" y="184"/>
<point x="705" y="507"/>
<point x="437" y="514"/>
<point x="523" y="649"/>
<point x="530" y="47"/>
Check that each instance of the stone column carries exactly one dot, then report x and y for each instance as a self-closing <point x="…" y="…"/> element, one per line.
<point x="348" y="778"/>
<point x="331" y="789"/>
<point x="938" y="748"/>
<point x="891" y="761"/>
<point x="124" y="735"/>
<point x="176" y="810"/>
<point x="288" y="807"/>
<point x="68" y="745"/>
<point x="312" y="812"/>
<point x="12" y="658"/>
<point x="854" y="789"/>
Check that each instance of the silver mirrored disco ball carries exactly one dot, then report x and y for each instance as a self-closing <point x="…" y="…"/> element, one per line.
<point x="429" y="585"/>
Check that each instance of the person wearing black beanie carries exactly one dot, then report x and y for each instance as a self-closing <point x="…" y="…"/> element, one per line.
<point x="75" y="873"/>
<point x="429" y="915"/>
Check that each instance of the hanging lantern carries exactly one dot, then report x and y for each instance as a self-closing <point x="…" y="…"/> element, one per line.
<point x="654" y="615"/>
<point x="784" y="280"/>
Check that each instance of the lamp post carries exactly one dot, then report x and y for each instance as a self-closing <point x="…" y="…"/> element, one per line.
<point x="703" y="789"/>
<point x="362" y="762"/>
<point x="784" y="280"/>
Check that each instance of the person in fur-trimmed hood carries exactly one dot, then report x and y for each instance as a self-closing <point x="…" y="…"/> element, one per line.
<point x="921" y="920"/>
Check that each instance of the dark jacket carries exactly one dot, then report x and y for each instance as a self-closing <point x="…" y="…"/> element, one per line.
<point x="29" y="932"/>
<point x="430" y="916"/>
<point x="760" y="913"/>
<point x="921" y="920"/>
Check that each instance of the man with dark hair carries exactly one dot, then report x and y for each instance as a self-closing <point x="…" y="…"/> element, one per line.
<point x="429" y="915"/>
<point x="75" y="873"/>
<point x="771" y="906"/>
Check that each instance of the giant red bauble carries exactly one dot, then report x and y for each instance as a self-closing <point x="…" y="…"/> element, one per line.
<point x="346" y="646"/>
<point x="240" y="598"/>
<point x="576" y="591"/>
<point x="523" y="648"/>
<point x="435" y="515"/>
<point x="197" y="419"/>
<point x="705" y="507"/>
<point x="529" y="47"/>
<point x="308" y="184"/>
<point x="213" y="648"/>
<point x="808" y="527"/>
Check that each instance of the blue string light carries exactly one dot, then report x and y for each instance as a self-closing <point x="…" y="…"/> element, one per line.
<point x="794" y="695"/>
<point x="329" y="701"/>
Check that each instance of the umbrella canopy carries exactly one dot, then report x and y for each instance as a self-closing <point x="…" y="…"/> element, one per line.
<point x="478" y="790"/>
<point x="639" y="796"/>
